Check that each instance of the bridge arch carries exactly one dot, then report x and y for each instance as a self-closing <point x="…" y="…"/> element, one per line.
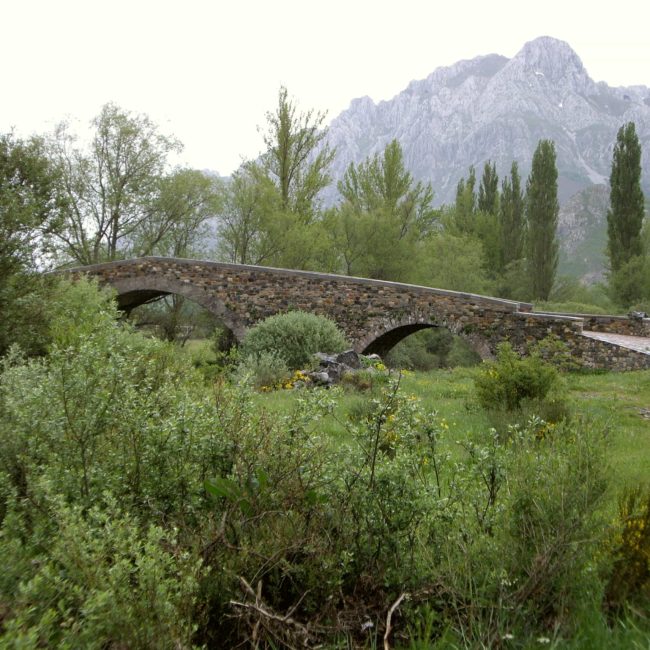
<point x="133" y="292"/>
<point x="380" y="341"/>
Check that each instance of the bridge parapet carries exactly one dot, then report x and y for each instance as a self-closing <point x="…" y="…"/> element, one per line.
<point x="365" y="309"/>
<point x="611" y="323"/>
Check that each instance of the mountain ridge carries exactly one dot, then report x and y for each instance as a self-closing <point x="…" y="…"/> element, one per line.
<point x="496" y="108"/>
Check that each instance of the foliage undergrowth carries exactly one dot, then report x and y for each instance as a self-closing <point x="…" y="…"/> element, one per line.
<point x="513" y="388"/>
<point x="142" y="507"/>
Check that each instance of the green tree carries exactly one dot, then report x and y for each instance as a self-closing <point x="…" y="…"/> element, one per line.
<point x="297" y="156"/>
<point x="384" y="215"/>
<point x="477" y="216"/>
<point x="488" y="191"/>
<point x="249" y="224"/>
<point x="626" y="212"/>
<point x="31" y="207"/>
<point x="512" y="216"/>
<point x="462" y="217"/>
<point x="179" y="225"/>
<point x="180" y="215"/>
<point x="271" y="210"/>
<point x="111" y="186"/>
<point x="542" y="210"/>
<point x="453" y="262"/>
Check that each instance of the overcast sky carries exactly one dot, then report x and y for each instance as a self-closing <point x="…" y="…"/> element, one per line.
<point x="207" y="70"/>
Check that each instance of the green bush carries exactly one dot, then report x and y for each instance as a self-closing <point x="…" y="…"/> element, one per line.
<point x="138" y="508"/>
<point x="265" y="370"/>
<point x="294" y="337"/>
<point x="103" y="582"/>
<point x="505" y="384"/>
<point x="629" y="550"/>
<point x="107" y="410"/>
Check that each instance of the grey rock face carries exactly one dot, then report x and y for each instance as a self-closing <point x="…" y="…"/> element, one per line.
<point x="582" y="233"/>
<point x="495" y="108"/>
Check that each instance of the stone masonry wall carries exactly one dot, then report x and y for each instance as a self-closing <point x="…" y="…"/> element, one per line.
<point x="366" y="310"/>
<point x="614" y="324"/>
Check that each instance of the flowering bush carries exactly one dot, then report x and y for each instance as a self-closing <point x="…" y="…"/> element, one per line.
<point x="629" y="549"/>
<point x="508" y="381"/>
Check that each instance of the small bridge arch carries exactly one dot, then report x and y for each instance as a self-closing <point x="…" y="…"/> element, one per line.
<point x="135" y="291"/>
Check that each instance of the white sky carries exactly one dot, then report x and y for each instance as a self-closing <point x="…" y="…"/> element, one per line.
<point x="208" y="70"/>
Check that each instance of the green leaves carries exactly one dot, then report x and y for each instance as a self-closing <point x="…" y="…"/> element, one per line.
<point x="385" y="214"/>
<point x="223" y="488"/>
<point x="542" y="209"/>
<point x="625" y="216"/>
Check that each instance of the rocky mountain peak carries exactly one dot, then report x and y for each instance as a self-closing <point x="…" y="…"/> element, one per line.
<point x="495" y="108"/>
<point x="551" y="57"/>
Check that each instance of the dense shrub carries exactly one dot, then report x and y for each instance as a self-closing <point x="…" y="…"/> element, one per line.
<point x="294" y="337"/>
<point x="140" y="508"/>
<point x="509" y="381"/>
<point x="629" y="549"/>
<point x="100" y="581"/>
<point x="265" y="370"/>
<point x="107" y="410"/>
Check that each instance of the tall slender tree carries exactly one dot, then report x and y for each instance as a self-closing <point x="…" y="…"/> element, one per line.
<point x="512" y="218"/>
<point x="626" y="212"/>
<point x="465" y="207"/>
<point x="488" y="191"/>
<point x="542" y="210"/>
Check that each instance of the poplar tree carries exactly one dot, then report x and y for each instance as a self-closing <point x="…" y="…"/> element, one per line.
<point x="488" y="191"/>
<point x="542" y="209"/>
<point x="625" y="215"/>
<point x="297" y="156"/>
<point x="512" y="218"/>
<point x="465" y="206"/>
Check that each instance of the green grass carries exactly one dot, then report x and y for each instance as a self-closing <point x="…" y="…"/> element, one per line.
<point x="614" y="400"/>
<point x="619" y="400"/>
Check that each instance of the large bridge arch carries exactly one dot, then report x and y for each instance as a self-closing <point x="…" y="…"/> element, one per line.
<point x="383" y="340"/>
<point x="135" y="291"/>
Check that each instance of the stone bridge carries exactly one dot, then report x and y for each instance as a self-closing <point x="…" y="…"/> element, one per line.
<point x="374" y="314"/>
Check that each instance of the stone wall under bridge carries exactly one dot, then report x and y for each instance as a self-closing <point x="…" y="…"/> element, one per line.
<point x="374" y="314"/>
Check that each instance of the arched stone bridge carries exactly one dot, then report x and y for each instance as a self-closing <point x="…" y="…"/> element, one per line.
<point x="374" y="314"/>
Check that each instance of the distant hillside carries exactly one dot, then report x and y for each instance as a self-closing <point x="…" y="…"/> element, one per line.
<point x="582" y="232"/>
<point x="495" y="108"/>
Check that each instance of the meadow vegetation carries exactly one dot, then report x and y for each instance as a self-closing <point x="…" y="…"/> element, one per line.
<point x="147" y="502"/>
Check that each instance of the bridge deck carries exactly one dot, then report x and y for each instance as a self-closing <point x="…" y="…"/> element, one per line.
<point x="636" y="343"/>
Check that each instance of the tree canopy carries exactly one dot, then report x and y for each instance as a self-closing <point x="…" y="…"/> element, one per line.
<point x="626" y="212"/>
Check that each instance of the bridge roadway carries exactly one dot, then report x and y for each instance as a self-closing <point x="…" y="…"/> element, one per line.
<point x="374" y="314"/>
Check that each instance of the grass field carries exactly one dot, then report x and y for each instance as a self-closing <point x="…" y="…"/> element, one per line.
<point x="618" y="402"/>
